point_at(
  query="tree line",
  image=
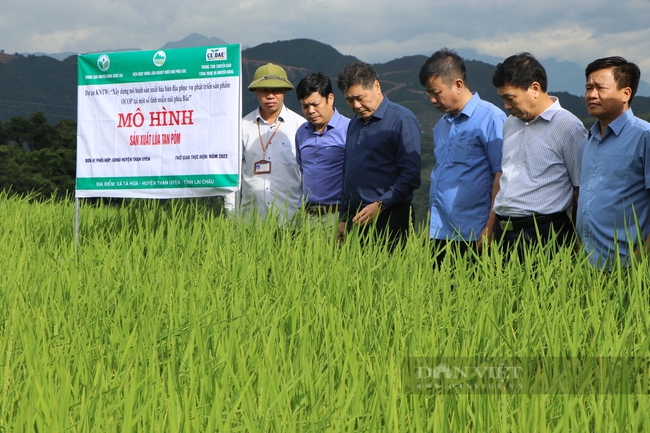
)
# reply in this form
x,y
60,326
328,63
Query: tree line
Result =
x,y
37,157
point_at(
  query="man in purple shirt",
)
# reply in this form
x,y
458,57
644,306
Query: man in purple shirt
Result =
x,y
320,148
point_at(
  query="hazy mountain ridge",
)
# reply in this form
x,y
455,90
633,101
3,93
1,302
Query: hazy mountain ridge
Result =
x,y
563,76
41,83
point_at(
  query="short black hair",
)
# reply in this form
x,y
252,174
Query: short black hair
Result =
x,y
444,63
357,73
626,74
318,82
520,70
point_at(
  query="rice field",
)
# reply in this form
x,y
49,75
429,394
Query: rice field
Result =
x,y
171,318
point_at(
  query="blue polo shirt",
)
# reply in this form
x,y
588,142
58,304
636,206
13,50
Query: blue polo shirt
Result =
x,y
320,157
614,201
382,158
468,154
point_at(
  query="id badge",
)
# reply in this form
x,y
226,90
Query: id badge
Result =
x,y
262,167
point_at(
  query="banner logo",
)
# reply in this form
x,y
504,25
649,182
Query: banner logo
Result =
x,y
103,63
216,54
159,58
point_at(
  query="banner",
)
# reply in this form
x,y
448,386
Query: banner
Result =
x,y
160,123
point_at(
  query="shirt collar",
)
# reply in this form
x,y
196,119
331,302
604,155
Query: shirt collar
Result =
x,y
616,126
551,110
468,109
281,116
334,121
380,111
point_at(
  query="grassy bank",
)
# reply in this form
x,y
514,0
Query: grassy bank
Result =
x,y
171,318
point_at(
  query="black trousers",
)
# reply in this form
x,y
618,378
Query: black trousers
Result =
x,y
561,226
393,223
438,250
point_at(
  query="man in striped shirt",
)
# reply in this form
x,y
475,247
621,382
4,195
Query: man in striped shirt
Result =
x,y
541,158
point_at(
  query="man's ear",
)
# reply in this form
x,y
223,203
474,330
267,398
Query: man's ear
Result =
x,y
627,94
536,88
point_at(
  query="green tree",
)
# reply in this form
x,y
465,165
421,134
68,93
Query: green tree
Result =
x,y
36,156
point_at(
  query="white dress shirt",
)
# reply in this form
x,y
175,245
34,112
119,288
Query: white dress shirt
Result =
x,y
280,190
541,163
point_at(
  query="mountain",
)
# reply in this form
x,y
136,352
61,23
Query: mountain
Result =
x,y
563,76
299,57
194,40
40,83
57,56
302,53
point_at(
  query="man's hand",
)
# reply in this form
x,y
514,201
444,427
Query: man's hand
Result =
x,y
642,250
340,231
368,214
485,238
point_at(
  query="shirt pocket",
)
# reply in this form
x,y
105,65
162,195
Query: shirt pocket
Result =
x,y
284,152
460,149
614,171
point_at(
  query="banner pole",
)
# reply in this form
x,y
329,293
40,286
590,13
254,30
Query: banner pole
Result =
x,y
76,224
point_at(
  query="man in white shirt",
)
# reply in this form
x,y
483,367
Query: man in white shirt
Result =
x,y
271,180
541,158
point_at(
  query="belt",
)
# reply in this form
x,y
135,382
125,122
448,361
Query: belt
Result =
x,y
320,209
518,223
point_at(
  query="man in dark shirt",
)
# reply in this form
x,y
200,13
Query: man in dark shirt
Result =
x,y
382,157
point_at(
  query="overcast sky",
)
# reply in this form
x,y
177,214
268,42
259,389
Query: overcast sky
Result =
x,y
374,31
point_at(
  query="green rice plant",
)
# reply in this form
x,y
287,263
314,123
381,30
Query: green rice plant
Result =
x,y
170,317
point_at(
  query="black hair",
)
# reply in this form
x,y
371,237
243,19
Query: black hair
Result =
x,y
444,63
626,74
319,82
355,74
520,70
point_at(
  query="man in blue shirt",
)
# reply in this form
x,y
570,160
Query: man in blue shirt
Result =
x,y
468,141
320,148
382,158
614,203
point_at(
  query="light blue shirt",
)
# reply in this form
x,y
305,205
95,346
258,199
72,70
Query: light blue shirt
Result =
x,y
320,157
468,154
614,202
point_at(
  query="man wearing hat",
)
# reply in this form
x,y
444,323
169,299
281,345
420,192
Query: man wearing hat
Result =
x,y
271,178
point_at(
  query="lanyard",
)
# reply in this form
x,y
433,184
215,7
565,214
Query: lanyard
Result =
x,y
268,143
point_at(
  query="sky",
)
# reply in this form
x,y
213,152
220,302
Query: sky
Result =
x,y
374,31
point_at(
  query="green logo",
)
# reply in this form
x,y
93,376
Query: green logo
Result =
x,y
103,63
159,58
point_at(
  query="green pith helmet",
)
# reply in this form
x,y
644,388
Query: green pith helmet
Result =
x,y
270,76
